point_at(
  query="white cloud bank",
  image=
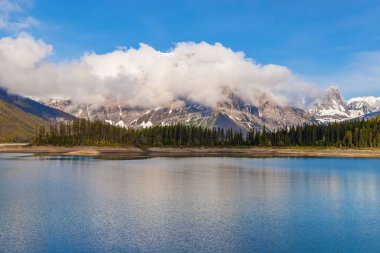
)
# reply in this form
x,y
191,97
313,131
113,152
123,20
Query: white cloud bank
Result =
x,y
144,76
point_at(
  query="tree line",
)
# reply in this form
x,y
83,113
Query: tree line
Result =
x,y
356,134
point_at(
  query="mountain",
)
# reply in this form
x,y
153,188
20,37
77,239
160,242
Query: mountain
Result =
x,y
364,104
332,107
233,113
33,107
369,115
20,116
17,125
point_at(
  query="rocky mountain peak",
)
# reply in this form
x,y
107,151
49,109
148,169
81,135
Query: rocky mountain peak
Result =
x,y
333,98
333,89
330,107
231,101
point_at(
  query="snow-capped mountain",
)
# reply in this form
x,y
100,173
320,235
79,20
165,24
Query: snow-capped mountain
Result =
x,y
332,107
232,113
364,104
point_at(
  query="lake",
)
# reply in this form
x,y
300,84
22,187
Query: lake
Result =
x,y
188,204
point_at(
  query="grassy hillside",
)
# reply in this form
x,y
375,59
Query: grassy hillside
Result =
x,y
19,117
17,125
33,107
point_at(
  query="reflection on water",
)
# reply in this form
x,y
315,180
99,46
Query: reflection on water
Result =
x,y
189,204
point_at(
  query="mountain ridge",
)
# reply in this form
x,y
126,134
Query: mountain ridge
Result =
x,y
33,107
232,112
20,117
332,107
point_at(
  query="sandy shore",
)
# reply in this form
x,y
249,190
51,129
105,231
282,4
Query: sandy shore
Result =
x,y
250,152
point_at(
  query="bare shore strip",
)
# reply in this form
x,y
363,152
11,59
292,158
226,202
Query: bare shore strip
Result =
x,y
193,151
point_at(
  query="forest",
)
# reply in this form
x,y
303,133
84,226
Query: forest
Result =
x,y
351,134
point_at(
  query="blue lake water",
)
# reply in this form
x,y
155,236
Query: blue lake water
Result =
x,y
194,204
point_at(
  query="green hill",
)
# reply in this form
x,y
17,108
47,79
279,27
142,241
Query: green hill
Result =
x,y
33,107
20,116
17,125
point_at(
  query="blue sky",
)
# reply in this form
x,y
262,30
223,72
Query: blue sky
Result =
x,y
323,41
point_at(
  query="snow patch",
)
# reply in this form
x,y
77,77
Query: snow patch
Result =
x,y
79,113
147,124
121,124
109,122
330,112
356,113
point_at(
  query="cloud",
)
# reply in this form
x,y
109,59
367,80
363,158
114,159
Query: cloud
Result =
x,y
360,77
13,18
146,77
8,7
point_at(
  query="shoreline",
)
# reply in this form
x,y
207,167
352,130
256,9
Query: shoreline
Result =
x,y
191,151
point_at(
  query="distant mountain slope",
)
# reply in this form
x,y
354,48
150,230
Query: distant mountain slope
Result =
x,y
365,104
17,125
32,107
20,116
369,115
